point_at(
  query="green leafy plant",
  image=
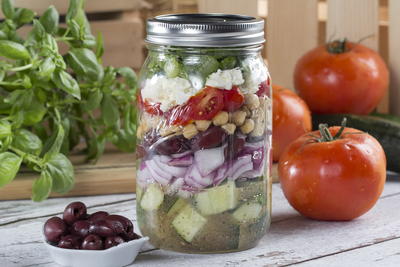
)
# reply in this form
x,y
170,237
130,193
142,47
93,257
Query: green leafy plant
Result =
x,y
50,101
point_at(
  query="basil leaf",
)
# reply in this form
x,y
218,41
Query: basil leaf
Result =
x,y
129,76
99,46
5,129
34,113
56,144
24,16
228,63
172,67
42,187
8,8
50,19
27,141
67,83
13,50
94,100
38,32
96,148
125,140
84,63
61,170
46,68
9,166
109,111
74,6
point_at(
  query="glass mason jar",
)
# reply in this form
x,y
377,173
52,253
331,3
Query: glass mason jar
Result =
x,y
204,134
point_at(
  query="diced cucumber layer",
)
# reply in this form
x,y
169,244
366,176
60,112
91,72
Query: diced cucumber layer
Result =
x,y
179,204
217,199
152,198
139,193
247,212
188,223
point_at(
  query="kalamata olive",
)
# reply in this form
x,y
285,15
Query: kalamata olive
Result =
x,y
97,216
73,212
235,145
102,228
212,137
117,221
54,228
113,241
173,145
80,228
92,242
131,236
70,242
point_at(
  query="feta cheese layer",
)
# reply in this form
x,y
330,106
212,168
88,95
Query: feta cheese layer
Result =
x,y
167,91
255,73
225,79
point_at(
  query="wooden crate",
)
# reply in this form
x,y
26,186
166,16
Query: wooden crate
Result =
x,y
118,20
296,26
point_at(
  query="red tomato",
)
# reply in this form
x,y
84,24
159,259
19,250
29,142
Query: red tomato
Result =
x,y
179,115
233,99
153,109
341,77
333,180
291,119
206,104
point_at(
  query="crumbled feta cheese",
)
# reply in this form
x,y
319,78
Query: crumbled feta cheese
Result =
x,y
167,91
225,79
255,73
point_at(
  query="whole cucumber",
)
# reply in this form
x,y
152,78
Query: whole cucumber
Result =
x,y
386,131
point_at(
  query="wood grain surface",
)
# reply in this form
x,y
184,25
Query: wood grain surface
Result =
x,y
371,240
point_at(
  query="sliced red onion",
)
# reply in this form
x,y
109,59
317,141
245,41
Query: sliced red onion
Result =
x,y
158,174
144,176
184,161
163,158
194,175
170,170
239,166
208,160
220,174
180,155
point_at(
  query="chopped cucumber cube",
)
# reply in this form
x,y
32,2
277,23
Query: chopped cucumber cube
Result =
x,y
152,198
188,223
247,212
217,199
179,204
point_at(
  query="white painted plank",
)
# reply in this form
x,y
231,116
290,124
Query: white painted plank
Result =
x,y
12,211
383,254
394,55
292,30
291,239
244,7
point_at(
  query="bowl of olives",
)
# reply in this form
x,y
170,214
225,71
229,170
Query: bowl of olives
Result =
x,y
98,239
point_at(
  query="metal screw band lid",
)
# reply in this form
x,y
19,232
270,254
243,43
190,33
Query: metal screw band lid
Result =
x,y
205,30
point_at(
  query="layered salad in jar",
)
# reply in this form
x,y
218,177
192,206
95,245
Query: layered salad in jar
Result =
x,y
204,150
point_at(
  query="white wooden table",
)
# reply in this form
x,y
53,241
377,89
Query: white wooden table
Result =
x,y
372,240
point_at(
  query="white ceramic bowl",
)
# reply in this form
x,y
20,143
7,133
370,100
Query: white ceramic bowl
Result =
x,y
121,255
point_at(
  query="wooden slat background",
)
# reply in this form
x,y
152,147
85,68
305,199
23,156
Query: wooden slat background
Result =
x,y
292,29
245,7
394,55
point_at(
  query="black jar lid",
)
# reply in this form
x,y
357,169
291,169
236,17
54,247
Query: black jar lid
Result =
x,y
205,30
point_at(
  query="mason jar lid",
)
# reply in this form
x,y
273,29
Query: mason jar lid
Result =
x,y
205,30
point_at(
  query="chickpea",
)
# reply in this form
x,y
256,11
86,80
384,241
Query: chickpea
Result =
x,y
247,127
221,118
229,128
190,131
238,117
202,125
247,111
167,130
252,101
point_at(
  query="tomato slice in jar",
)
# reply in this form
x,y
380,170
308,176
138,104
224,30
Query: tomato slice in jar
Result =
x,y
264,88
233,99
151,108
206,104
179,115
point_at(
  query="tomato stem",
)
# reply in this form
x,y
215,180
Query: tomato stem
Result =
x,y
337,46
326,135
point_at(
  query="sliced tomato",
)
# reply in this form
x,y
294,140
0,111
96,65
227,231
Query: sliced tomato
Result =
x,y
179,115
264,88
151,108
206,104
233,99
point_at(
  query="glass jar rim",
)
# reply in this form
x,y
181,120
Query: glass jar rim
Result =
x,y
205,30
